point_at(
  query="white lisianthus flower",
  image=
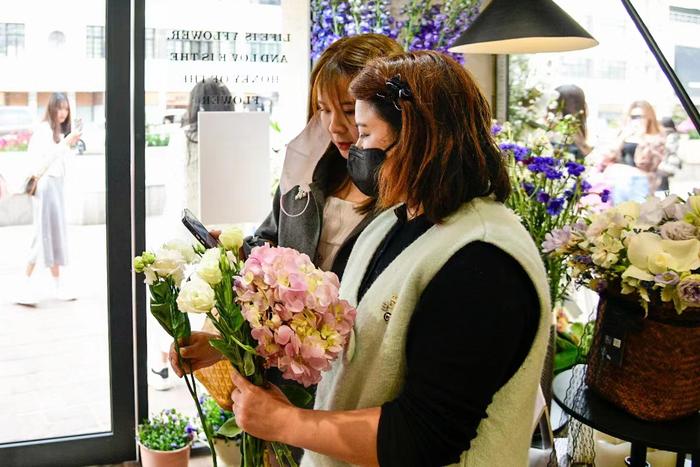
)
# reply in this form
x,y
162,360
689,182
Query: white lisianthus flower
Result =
x,y
650,213
150,276
196,296
231,238
629,209
185,249
605,250
208,268
649,252
168,263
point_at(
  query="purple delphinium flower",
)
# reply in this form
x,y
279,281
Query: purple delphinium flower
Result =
x,y
585,186
575,169
547,165
568,194
552,173
496,129
542,197
425,25
605,195
667,278
529,188
519,152
555,206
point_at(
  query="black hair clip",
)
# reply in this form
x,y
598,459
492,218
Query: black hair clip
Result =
x,y
396,89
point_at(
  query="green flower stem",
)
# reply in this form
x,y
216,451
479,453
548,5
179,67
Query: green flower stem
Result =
x,y
192,388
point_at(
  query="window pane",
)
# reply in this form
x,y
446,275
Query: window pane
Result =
x,y
53,322
202,62
621,71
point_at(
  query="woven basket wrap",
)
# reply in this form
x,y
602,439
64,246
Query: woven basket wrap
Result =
x,y
217,380
659,374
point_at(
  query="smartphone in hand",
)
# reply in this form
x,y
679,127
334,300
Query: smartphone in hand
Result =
x,y
198,230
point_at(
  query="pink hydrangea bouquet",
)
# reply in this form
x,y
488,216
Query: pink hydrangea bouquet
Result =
x,y
274,310
294,312
651,249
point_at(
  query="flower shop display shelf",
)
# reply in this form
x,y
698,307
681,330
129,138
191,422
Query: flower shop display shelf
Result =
x,y
579,401
646,362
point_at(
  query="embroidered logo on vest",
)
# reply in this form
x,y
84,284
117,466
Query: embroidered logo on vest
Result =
x,y
388,306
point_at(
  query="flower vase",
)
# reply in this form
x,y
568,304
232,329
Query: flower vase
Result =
x,y
646,363
153,458
228,453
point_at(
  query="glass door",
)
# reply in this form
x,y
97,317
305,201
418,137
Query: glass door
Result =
x,y
244,64
66,327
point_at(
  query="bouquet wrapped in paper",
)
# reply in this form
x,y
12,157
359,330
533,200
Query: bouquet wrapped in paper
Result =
x,y
275,310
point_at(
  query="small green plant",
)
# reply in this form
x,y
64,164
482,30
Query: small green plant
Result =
x,y
167,431
214,415
157,140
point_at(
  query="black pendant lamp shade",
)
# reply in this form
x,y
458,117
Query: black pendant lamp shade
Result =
x,y
523,26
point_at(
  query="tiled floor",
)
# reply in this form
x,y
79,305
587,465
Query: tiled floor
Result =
x,y
53,357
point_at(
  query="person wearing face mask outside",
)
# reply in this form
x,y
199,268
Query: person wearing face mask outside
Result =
x,y
320,207
444,366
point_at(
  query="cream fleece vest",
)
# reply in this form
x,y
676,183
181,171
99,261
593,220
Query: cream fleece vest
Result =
x,y
372,369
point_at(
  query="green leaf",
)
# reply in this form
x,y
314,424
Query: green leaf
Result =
x,y
577,330
237,319
161,312
297,395
160,291
565,360
566,356
180,322
248,364
231,353
229,429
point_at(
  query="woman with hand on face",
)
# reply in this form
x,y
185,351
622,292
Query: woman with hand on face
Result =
x,y
318,209
640,126
444,366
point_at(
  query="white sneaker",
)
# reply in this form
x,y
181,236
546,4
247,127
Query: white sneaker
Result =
x,y
27,298
26,295
64,293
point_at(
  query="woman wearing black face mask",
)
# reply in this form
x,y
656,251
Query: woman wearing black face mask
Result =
x,y
366,157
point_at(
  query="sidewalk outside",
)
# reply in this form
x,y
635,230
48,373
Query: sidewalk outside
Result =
x,y
54,357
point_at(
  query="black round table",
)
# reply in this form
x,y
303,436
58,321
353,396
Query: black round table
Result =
x,y
577,400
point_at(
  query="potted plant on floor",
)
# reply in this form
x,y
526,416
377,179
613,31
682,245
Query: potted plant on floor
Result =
x,y
227,450
165,440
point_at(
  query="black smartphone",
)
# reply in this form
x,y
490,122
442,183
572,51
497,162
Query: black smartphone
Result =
x,y
198,230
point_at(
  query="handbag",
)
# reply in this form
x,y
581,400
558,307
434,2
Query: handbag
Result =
x,y
30,185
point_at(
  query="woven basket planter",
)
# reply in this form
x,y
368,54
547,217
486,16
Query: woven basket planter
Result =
x,y
649,366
